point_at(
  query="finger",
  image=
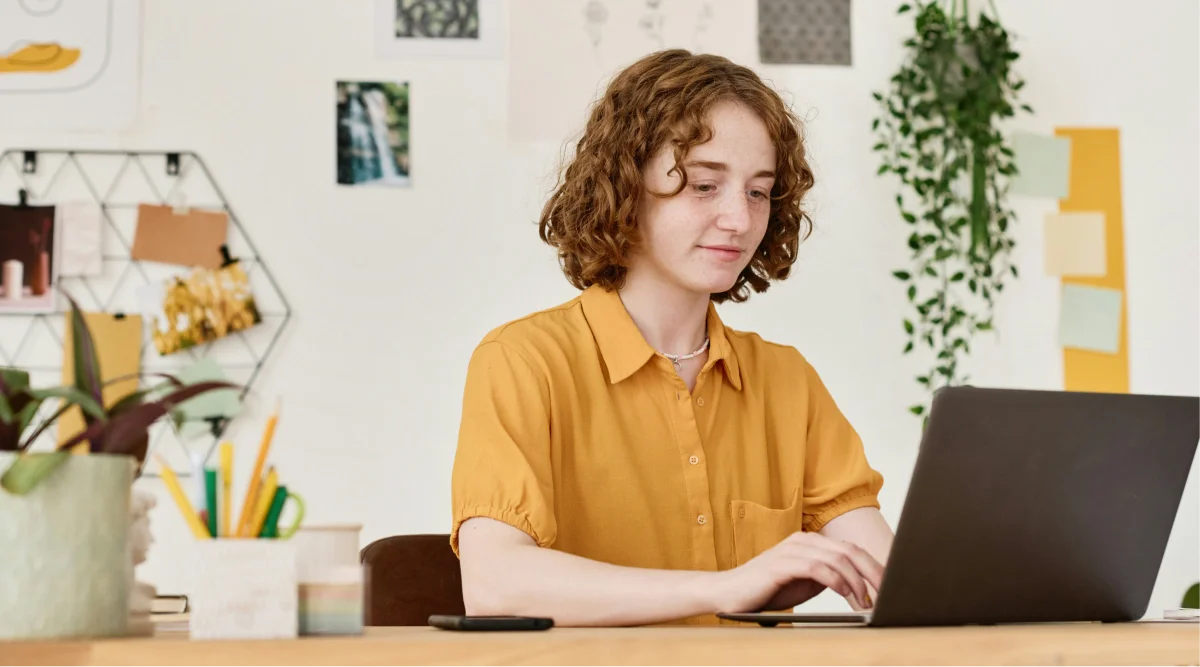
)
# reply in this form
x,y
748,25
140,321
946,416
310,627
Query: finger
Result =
x,y
838,562
845,567
864,562
823,574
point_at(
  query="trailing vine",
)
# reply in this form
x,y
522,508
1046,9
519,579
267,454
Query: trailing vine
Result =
x,y
937,133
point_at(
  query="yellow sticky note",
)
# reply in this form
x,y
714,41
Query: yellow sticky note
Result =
x,y
118,342
1075,244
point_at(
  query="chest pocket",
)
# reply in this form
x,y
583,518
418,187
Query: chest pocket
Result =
x,y
757,528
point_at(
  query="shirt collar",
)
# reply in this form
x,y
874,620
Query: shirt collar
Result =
x,y
624,349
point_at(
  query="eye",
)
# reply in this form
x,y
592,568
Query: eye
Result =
x,y
759,194
704,188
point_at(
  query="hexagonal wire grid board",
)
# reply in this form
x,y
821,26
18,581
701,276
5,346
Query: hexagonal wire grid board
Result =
x,y
119,181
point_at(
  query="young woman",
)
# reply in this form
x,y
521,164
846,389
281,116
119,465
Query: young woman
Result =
x,y
625,458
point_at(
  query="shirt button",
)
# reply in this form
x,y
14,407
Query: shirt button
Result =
x,y
694,460
701,520
742,513
700,402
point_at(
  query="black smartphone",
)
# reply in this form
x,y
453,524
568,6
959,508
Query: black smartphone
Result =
x,y
490,622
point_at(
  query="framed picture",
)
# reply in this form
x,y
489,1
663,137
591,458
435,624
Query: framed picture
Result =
x,y
30,254
372,133
439,28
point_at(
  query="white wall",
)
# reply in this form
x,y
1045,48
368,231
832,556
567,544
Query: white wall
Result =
x,y
393,287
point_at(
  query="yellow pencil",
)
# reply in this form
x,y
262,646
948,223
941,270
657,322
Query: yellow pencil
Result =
x,y
172,482
226,487
266,493
251,502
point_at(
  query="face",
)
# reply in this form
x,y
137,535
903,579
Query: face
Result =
x,y
701,239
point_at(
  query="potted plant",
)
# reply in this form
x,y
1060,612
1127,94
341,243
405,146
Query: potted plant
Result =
x,y
65,567
938,133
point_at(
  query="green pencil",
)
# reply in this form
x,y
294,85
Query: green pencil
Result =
x,y
270,526
210,496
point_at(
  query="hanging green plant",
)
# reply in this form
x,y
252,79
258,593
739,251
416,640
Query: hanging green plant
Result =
x,y
938,133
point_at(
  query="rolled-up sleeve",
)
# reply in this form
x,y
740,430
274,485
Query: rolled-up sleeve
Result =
x,y
837,476
502,464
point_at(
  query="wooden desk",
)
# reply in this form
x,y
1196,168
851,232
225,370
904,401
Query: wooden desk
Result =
x,y
1133,643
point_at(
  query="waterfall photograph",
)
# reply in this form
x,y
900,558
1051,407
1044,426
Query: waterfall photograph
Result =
x,y
372,133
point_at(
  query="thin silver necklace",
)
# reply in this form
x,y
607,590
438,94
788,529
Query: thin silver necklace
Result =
x,y
678,359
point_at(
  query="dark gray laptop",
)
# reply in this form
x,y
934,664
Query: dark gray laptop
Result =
x,y
1033,506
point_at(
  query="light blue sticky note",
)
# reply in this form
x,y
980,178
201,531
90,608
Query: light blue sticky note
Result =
x,y
218,403
1043,165
1090,318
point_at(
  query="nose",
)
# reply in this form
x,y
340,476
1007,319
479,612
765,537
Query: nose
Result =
x,y
735,214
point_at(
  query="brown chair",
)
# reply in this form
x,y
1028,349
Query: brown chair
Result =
x,y
411,577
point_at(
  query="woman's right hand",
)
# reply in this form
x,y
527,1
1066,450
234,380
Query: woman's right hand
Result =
x,y
796,570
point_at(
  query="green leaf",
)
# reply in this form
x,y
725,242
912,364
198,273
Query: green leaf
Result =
x,y
73,396
879,146
6,412
957,277
944,370
908,326
877,96
29,470
912,292
875,124
909,217
87,365
904,8
943,253
930,272
26,415
914,241
923,379
908,348
973,285
50,421
1191,599
984,326
917,410
1013,270
1027,108
902,275
124,431
883,169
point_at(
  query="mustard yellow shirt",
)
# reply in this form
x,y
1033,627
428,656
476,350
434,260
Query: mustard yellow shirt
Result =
x,y
574,431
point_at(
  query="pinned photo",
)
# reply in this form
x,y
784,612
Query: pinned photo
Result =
x,y
372,133
208,304
29,258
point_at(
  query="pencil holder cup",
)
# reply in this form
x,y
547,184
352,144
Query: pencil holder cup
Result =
x,y
244,589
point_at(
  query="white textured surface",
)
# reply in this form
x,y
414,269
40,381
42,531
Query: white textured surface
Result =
x,y
244,589
65,562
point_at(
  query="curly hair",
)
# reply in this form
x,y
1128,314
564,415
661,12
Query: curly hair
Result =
x,y
591,216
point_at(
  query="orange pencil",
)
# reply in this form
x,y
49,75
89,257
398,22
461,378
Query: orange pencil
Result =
x,y
251,502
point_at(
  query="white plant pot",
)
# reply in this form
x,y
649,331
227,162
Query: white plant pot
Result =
x,y
65,560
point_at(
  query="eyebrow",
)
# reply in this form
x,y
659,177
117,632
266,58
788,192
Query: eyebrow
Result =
x,y
721,166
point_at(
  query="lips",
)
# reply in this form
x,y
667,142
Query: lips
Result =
x,y
725,253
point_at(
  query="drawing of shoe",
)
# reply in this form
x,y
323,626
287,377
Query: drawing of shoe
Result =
x,y
44,57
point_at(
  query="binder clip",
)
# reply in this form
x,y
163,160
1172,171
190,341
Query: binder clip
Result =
x,y
22,198
172,164
226,258
29,163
